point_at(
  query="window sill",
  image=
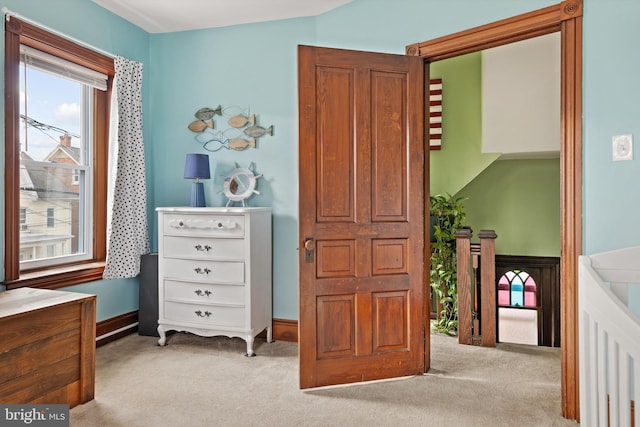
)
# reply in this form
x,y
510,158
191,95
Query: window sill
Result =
x,y
59,277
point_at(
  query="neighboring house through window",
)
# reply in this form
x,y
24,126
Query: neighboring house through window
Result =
x,y
51,218
56,157
23,219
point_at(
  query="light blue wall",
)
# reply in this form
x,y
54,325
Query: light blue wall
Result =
x,y
84,20
611,91
255,65
251,66
611,107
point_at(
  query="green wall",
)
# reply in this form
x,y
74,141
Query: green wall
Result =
x,y
520,200
461,159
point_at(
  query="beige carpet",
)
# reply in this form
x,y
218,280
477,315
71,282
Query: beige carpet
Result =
x,y
197,381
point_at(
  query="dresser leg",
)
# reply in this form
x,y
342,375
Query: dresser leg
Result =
x,y
163,337
270,334
250,352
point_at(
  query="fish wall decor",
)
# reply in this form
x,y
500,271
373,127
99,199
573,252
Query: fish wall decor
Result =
x,y
240,144
200,125
242,124
207,113
205,119
240,120
256,131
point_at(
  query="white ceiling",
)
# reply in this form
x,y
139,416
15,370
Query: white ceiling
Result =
x,y
164,16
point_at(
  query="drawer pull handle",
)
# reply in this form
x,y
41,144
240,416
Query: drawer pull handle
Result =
x,y
200,314
200,248
202,270
200,293
225,225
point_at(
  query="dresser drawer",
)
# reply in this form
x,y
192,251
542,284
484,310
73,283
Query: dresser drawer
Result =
x,y
201,270
203,248
210,315
204,293
204,225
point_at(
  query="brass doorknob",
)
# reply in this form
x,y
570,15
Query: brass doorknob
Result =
x,y
309,244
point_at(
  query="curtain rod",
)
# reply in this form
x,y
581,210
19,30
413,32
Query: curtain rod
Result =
x,y
8,14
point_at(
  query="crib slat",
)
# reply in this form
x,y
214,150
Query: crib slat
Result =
x,y
602,378
625,398
614,383
636,390
591,380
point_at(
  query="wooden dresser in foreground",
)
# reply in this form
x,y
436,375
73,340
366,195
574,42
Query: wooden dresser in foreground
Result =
x,y
47,346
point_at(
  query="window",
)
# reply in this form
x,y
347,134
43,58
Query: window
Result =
x,y
516,288
51,218
56,140
23,219
56,158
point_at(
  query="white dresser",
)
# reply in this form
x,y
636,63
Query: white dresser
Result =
x,y
214,272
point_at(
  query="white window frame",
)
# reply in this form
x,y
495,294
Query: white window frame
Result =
x,y
84,170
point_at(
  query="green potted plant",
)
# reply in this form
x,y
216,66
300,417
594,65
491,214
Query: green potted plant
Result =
x,y
446,217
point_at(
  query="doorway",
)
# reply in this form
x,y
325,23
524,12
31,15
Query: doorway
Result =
x,y
504,163
566,18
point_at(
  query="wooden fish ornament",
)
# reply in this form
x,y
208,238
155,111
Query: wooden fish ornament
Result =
x,y
240,144
207,113
240,120
256,131
200,125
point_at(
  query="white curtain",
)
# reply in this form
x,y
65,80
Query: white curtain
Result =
x,y
127,231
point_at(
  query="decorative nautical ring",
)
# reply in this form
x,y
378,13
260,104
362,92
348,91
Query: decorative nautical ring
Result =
x,y
240,184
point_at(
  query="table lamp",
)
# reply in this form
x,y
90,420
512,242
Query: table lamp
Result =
x,y
197,167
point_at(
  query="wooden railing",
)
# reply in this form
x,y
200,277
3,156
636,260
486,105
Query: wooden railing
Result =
x,y
476,303
609,336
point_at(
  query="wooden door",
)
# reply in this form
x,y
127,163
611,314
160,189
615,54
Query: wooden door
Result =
x,y
361,211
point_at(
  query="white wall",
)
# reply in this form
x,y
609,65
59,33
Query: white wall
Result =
x,y
521,98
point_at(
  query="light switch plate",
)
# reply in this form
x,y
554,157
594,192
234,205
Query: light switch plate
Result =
x,y
622,147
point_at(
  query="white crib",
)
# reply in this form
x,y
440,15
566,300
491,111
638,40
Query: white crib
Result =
x,y
609,338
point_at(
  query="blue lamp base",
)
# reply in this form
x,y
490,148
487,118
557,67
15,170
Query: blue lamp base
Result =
x,y
197,195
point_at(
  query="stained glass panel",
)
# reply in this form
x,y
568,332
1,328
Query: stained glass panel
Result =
x,y
517,288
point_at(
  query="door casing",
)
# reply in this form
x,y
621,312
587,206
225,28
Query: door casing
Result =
x,y
566,18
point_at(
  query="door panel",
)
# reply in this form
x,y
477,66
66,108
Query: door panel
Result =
x,y
361,211
336,329
336,258
389,140
335,176
390,321
389,256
